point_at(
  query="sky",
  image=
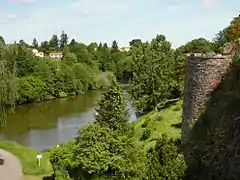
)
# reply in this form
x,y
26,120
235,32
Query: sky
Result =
x,y
121,20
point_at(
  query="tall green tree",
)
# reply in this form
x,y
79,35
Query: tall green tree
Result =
x,y
22,42
114,46
63,40
7,82
44,47
152,80
111,111
233,32
54,43
2,41
219,40
25,61
35,43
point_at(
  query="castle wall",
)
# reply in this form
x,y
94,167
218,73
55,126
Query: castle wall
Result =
x,y
203,73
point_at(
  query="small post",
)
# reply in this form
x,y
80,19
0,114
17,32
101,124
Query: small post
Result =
x,y
39,157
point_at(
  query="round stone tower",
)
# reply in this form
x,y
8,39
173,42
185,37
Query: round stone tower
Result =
x,y
203,73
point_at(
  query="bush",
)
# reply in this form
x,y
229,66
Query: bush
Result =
x,y
164,161
97,153
145,124
146,134
30,89
103,80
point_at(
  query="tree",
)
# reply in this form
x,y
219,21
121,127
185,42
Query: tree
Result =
x,y
70,58
30,89
152,80
220,40
22,42
164,160
44,47
233,32
53,43
63,40
84,77
73,41
35,43
7,82
98,153
199,45
114,46
2,42
111,111
81,51
25,61
46,70
124,69
135,42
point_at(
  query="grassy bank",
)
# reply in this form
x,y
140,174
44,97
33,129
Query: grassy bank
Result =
x,y
147,129
153,124
27,157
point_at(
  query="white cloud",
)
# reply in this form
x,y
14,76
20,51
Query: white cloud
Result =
x,y
209,3
15,17
23,1
90,7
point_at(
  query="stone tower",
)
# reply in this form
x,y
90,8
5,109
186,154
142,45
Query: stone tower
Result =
x,y
203,73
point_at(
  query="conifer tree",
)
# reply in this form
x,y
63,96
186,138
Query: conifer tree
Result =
x,y
111,111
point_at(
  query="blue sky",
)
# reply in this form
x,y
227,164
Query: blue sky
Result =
x,y
121,20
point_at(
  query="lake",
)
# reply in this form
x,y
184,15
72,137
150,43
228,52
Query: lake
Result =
x,y
46,124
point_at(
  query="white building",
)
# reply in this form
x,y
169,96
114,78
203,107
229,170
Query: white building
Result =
x,y
36,53
55,55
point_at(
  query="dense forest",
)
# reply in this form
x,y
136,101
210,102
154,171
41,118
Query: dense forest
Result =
x,y
105,149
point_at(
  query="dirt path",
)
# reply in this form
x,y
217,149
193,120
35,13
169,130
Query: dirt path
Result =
x,y
11,170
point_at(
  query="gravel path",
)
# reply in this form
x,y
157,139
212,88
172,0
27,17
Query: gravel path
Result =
x,y
11,170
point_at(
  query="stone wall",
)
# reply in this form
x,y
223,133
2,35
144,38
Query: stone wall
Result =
x,y
203,73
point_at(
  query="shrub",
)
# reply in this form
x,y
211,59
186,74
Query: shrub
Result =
x,y
30,89
103,80
146,134
145,124
164,161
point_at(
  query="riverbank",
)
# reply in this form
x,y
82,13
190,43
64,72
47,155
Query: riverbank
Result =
x,y
27,157
147,129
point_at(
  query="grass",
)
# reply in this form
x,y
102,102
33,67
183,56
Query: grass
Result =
x,y
27,157
166,120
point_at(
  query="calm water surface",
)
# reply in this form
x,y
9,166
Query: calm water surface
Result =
x,y
46,124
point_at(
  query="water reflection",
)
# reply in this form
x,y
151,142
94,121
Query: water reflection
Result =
x,y
46,124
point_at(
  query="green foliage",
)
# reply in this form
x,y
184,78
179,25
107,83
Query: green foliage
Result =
x,y
164,160
101,152
103,80
30,89
199,45
65,79
25,61
220,40
70,58
2,41
152,73
146,134
232,31
54,43
124,69
111,111
84,77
